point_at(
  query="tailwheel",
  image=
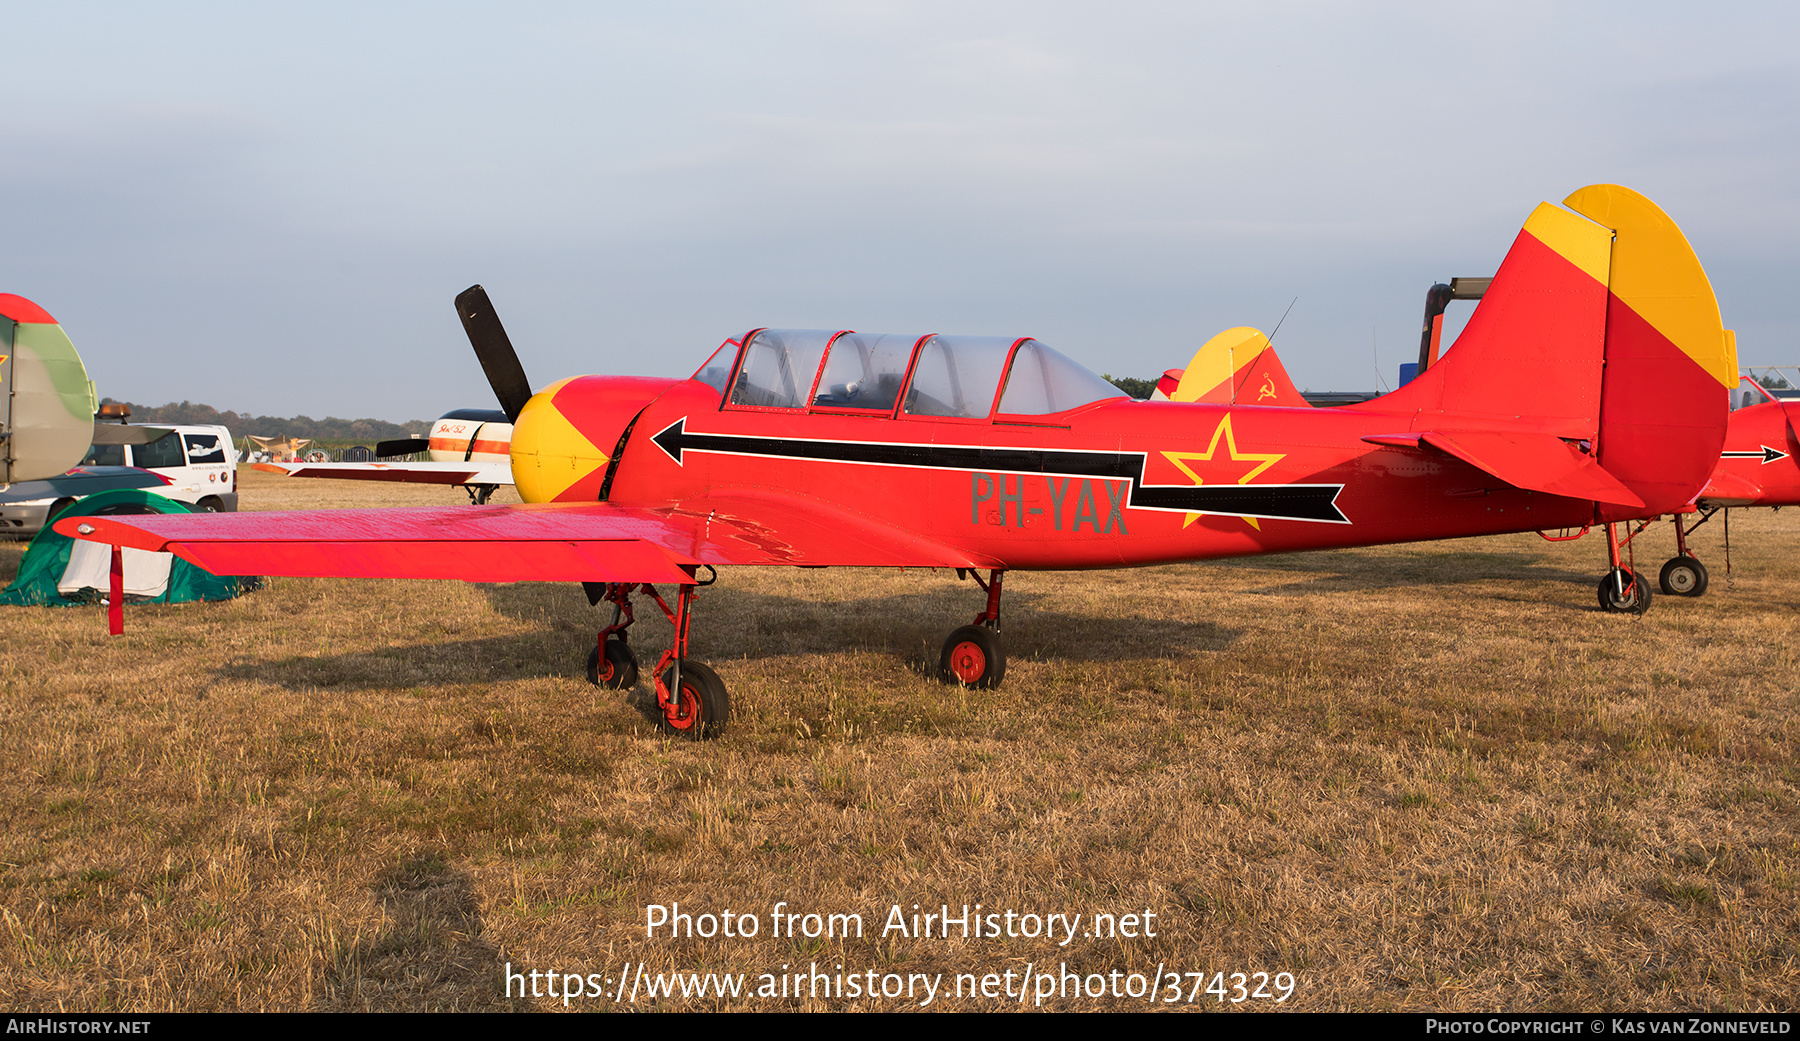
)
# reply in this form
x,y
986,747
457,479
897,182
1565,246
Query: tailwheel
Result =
x,y
973,657
1684,576
613,667
1624,590
699,708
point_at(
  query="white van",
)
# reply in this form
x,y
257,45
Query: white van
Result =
x,y
199,462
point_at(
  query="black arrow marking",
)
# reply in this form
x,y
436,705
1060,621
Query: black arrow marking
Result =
x,y
1765,453
1302,502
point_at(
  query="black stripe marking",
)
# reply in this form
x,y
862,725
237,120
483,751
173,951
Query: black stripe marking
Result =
x,y
1301,502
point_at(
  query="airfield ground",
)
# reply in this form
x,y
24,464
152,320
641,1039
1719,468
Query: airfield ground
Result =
x,y
1419,777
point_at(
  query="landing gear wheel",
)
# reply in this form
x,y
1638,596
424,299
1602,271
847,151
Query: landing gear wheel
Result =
x,y
1683,576
973,657
700,708
617,669
1623,590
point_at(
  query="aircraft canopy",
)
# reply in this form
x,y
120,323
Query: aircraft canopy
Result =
x,y
971,377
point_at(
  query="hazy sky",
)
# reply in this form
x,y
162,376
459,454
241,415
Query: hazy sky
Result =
x,y
272,211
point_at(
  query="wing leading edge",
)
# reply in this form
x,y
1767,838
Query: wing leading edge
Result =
x,y
551,542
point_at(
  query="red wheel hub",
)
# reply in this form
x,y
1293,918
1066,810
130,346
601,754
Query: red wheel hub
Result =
x,y
967,662
683,709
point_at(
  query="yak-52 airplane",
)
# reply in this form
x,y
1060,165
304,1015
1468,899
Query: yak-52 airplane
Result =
x,y
1587,388
467,447
1758,465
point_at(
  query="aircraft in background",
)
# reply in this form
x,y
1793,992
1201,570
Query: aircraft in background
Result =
x,y
1585,390
468,447
47,402
47,410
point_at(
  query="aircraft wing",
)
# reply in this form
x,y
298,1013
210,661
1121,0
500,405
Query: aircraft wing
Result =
x,y
418,473
548,542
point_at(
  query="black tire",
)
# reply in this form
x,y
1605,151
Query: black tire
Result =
x,y
973,657
1683,576
617,670
1622,590
211,504
700,707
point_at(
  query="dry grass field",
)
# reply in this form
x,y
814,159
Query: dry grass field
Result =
x,y
1419,777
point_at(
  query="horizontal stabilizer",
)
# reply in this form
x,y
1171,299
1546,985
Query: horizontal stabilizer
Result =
x,y
83,481
1535,462
121,434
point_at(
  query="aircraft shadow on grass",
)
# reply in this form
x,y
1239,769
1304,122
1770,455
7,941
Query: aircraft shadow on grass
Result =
x,y
742,626
432,951
1365,570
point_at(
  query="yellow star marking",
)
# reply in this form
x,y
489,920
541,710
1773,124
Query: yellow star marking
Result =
x,y
1264,460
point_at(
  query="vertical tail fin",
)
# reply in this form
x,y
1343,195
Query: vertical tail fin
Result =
x,y
1531,355
1237,367
1601,329
46,400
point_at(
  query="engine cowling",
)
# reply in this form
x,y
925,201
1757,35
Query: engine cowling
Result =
x,y
567,433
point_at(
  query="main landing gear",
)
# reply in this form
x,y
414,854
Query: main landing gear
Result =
x,y
1685,575
973,655
1623,589
691,699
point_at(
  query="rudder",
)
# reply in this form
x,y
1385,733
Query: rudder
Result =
x,y
1668,356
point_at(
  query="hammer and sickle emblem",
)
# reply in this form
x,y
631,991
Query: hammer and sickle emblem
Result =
x,y
1268,389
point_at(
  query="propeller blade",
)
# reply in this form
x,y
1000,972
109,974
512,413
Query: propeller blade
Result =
x,y
498,359
401,446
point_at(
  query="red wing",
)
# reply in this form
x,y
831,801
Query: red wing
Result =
x,y
553,542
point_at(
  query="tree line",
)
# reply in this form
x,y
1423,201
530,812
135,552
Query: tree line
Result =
x,y
188,413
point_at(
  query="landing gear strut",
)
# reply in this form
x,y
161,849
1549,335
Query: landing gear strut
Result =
x,y
973,655
1623,589
1685,575
692,700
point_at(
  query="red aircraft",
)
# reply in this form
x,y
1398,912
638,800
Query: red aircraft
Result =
x,y
1758,466
1586,389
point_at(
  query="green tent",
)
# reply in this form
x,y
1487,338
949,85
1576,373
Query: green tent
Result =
x,y
58,571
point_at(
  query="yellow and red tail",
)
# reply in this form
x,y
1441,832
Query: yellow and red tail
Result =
x,y
1238,366
1600,332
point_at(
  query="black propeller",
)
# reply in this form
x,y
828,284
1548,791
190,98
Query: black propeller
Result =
x,y
498,359
402,446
